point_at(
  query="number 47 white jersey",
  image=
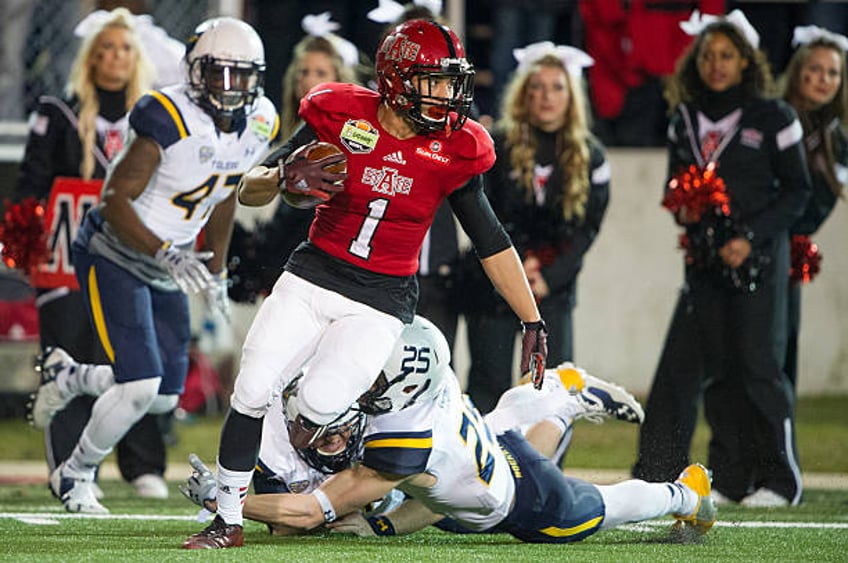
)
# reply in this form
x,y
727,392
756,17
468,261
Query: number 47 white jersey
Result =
x,y
200,166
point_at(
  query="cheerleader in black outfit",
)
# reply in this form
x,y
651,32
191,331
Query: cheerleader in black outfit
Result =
x,y
736,286
815,87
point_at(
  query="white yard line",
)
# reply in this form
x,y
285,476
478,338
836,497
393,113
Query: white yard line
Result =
x,y
36,471
746,524
24,516
52,518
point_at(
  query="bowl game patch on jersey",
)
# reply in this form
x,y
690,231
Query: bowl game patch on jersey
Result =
x,y
359,136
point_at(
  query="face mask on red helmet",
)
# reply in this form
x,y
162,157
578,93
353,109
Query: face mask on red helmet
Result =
x,y
422,73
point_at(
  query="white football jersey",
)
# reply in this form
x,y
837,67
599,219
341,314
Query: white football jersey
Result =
x,y
200,166
518,408
447,438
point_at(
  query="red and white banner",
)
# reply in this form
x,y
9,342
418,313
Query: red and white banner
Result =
x,y
70,200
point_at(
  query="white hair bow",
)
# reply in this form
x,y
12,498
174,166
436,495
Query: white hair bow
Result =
x,y
573,59
94,21
165,52
388,11
806,34
697,22
320,25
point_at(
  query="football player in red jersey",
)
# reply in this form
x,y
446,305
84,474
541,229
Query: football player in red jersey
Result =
x,y
348,290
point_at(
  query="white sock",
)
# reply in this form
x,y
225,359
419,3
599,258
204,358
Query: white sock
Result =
x,y
524,405
84,460
232,490
636,501
564,442
86,379
113,414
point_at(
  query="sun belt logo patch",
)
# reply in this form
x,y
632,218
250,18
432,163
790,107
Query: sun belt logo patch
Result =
x,y
432,155
386,181
359,136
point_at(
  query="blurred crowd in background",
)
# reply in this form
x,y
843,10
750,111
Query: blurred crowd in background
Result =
x,y
634,43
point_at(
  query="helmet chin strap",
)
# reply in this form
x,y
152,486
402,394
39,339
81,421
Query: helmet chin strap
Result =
x,y
223,123
229,123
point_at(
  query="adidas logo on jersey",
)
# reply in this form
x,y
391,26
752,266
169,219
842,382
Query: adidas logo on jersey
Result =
x,y
396,157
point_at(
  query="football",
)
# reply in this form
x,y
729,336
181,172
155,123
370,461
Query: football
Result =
x,y
314,153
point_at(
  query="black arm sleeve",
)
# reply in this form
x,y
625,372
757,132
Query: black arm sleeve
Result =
x,y
302,136
822,199
472,209
790,169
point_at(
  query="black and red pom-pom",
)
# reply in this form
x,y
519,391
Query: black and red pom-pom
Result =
x,y
23,235
806,259
695,192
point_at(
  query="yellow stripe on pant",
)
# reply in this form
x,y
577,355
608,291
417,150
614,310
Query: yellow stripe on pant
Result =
x,y
97,314
562,532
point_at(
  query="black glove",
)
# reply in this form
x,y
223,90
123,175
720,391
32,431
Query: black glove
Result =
x,y
302,176
534,351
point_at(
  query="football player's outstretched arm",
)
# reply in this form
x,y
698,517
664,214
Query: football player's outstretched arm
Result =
x,y
261,184
125,183
284,510
407,518
503,266
492,244
345,492
218,231
507,275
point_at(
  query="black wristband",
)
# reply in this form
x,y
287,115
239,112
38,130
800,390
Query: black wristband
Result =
x,y
381,525
535,325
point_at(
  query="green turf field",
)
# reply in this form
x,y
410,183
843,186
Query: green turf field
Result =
x,y
36,528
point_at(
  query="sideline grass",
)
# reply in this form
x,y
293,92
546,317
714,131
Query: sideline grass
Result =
x,y
820,431
113,539
821,425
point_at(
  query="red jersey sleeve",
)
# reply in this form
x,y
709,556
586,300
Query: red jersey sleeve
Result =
x,y
479,149
394,185
326,104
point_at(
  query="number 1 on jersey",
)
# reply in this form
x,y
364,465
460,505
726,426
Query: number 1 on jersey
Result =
x,y
361,245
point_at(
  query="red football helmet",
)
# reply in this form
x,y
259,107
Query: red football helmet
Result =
x,y
423,74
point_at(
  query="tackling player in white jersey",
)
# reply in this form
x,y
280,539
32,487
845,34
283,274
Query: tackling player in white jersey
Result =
x,y
134,256
282,468
427,440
